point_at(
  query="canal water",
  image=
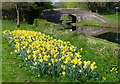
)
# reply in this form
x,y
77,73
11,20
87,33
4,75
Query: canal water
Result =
x,y
110,34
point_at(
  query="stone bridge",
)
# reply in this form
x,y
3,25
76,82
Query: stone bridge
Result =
x,y
76,14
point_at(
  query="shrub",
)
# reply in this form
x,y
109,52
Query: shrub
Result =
x,y
41,22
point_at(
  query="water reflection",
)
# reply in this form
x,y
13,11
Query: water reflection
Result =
x,y
68,26
103,33
110,36
117,37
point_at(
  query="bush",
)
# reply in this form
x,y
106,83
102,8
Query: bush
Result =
x,y
41,22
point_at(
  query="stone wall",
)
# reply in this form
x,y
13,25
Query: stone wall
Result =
x,y
91,17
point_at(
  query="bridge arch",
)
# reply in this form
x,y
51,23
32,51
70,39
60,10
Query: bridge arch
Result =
x,y
70,17
74,18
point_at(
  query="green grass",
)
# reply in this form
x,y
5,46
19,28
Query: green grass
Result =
x,y
112,17
66,18
10,25
89,23
104,53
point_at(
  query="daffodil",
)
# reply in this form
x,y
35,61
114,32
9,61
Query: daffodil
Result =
x,y
35,63
103,78
63,73
11,52
26,59
29,56
15,50
49,64
85,66
74,66
40,60
38,75
80,70
81,49
28,51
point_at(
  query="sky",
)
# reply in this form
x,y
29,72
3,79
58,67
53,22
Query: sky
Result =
x,y
54,1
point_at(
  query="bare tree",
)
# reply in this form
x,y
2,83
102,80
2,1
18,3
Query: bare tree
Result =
x,y
18,16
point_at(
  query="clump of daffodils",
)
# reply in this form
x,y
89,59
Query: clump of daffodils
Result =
x,y
50,56
114,69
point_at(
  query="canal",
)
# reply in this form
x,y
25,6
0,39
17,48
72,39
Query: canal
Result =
x,y
110,34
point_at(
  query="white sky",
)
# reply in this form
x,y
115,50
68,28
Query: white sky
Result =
x,y
55,0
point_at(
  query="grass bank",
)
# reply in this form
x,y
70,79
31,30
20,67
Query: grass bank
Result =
x,y
112,17
88,24
104,53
